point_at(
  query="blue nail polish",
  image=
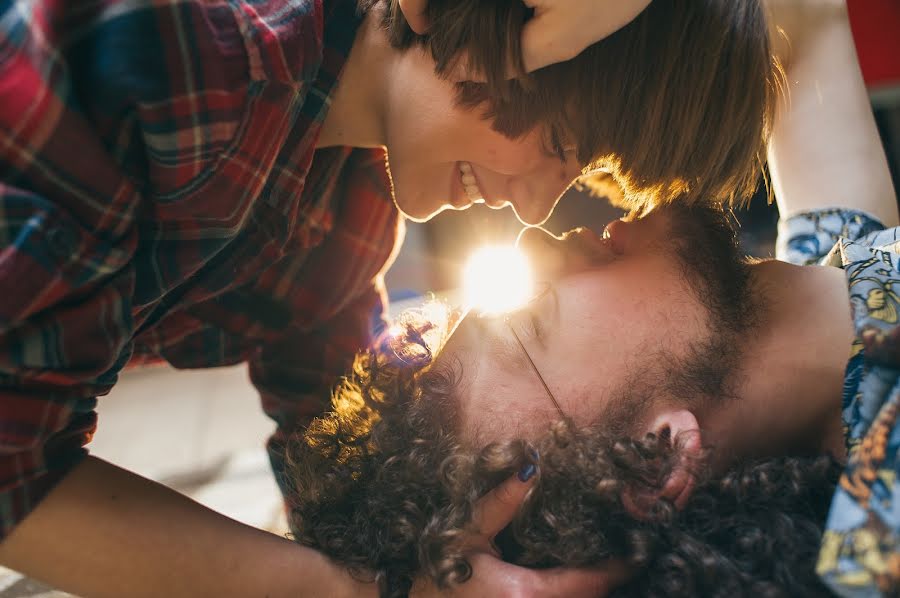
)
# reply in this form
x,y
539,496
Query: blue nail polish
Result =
x,y
527,472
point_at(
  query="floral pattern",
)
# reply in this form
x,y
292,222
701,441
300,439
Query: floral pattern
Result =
x,y
805,238
860,552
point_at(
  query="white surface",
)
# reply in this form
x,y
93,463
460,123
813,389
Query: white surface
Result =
x,y
161,422
201,432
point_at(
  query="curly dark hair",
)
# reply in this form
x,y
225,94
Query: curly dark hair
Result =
x,y
385,485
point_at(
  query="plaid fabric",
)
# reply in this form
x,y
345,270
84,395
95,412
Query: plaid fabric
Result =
x,y
160,198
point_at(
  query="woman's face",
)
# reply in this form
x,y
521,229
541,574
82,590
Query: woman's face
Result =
x,y
445,157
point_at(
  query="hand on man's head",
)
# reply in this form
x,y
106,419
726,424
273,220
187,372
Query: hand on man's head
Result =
x,y
559,29
414,13
491,576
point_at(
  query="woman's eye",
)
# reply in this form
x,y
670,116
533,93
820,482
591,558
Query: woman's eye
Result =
x,y
557,146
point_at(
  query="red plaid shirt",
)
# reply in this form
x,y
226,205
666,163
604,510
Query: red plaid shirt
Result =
x,y
161,198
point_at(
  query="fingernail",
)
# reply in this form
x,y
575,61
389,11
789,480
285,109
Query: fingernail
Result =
x,y
527,472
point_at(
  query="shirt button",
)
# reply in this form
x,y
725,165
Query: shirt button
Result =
x,y
61,242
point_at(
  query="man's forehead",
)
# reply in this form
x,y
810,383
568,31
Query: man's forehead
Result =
x,y
501,349
484,349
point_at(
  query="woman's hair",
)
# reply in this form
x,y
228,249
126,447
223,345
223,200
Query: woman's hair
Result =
x,y
385,486
676,105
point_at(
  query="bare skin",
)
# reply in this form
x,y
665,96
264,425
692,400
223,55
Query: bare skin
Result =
x,y
826,153
493,513
393,99
134,537
843,163
559,29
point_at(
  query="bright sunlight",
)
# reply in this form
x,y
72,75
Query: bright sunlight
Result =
x,y
497,279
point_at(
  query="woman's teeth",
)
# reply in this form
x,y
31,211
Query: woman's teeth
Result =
x,y
469,183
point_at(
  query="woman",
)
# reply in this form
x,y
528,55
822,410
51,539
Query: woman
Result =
x,y
674,412
205,183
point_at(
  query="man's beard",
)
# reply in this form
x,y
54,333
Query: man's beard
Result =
x,y
704,246
708,251
384,482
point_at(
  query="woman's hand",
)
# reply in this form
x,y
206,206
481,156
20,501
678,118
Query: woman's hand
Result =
x,y
492,576
559,29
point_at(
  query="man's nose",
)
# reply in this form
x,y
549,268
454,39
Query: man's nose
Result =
x,y
553,257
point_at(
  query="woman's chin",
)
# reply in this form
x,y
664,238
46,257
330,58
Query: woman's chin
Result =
x,y
422,212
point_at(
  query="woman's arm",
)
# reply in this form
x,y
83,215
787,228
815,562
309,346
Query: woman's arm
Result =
x,y
559,30
104,531
826,151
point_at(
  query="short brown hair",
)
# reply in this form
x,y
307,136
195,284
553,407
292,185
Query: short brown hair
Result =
x,y
676,105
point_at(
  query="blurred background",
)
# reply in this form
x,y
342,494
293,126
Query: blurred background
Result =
x,y
202,432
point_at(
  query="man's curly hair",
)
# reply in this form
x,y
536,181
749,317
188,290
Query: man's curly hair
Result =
x,y
384,485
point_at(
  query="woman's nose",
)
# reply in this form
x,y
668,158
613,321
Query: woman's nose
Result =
x,y
545,252
535,196
533,211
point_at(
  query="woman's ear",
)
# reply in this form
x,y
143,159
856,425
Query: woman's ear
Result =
x,y
680,427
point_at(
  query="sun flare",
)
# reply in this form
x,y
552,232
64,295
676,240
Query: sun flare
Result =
x,y
497,279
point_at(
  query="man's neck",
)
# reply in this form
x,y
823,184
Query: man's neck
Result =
x,y
356,115
789,397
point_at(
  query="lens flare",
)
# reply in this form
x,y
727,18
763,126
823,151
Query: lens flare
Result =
x,y
497,279
417,334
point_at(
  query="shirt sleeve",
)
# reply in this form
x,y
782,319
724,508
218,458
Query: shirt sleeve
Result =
x,y
807,237
337,301
295,376
67,239
860,552
65,326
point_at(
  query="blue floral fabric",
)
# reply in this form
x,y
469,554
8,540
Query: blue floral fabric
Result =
x,y
860,552
804,239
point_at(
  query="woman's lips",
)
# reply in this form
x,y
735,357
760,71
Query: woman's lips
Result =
x,y
459,198
470,183
473,190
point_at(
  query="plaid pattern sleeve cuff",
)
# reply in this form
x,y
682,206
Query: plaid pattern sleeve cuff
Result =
x,y
38,452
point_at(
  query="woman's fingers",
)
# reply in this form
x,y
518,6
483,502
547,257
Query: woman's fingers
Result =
x,y
559,29
491,576
498,507
543,42
414,11
589,583
498,579
562,29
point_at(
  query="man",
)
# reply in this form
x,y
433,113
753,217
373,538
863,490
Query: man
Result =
x,y
687,413
205,183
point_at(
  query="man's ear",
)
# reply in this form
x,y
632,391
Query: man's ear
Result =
x,y
681,429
